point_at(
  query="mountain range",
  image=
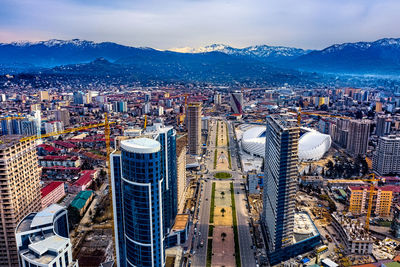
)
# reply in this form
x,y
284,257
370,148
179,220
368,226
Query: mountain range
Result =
x,y
212,62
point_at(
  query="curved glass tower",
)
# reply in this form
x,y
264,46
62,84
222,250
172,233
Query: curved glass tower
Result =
x,y
137,198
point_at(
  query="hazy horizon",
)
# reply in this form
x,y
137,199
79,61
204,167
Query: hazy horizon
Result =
x,y
308,24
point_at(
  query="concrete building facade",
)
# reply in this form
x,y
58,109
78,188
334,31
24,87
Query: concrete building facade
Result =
x,y
193,118
358,201
386,158
358,137
20,191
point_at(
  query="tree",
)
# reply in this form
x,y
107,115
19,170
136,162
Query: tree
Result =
x,y
222,194
223,235
87,165
73,216
223,211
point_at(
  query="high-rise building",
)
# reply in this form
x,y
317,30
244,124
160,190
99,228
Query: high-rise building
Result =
x,y
44,95
181,150
53,126
147,97
146,108
43,239
217,99
62,115
138,182
383,124
11,126
79,98
358,137
237,102
20,194
386,158
341,132
193,118
281,174
121,106
166,136
28,127
378,107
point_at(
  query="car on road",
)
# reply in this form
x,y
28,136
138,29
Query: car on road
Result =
x,y
202,243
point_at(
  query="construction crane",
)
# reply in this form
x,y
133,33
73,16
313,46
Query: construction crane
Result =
x,y
299,113
371,193
106,124
145,122
12,118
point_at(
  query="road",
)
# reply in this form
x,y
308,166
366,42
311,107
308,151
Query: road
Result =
x,y
199,254
247,254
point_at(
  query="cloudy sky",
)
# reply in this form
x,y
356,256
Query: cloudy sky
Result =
x,y
167,24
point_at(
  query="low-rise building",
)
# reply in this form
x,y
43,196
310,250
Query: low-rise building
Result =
x,y
82,201
352,234
66,161
358,200
85,180
52,193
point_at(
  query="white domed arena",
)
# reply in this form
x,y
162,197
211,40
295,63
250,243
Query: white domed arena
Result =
x,y
312,144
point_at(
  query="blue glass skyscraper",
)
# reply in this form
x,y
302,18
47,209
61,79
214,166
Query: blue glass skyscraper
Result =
x,y
166,136
137,181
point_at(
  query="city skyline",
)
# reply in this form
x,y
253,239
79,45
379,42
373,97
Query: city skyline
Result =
x,y
308,25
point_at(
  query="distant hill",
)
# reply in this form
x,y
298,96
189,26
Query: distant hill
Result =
x,y
59,52
379,57
214,62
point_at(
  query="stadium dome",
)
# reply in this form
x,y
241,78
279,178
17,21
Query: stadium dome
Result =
x,y
312,144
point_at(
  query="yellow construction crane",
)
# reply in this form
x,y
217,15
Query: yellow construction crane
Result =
x,y
145,122
299,113
371,193
12,118
106,124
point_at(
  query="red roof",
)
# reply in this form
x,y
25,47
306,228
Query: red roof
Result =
x,y
85,178
49,148
58,158
64,144
50,187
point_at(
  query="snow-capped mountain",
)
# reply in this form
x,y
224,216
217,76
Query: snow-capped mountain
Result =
x,y
381,56
362,57
258,51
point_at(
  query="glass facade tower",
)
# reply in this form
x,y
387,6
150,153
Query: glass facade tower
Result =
x,y
281,173
138,203
166,136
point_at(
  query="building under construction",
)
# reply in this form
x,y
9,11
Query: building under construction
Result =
x,y
352,234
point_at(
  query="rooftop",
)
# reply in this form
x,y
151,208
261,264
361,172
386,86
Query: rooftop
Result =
x,y
181,222
50,187
303,227
285,121
39,251
141,145
9,140
46,216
